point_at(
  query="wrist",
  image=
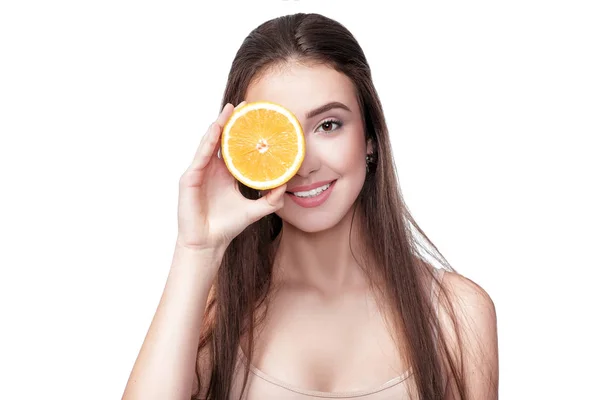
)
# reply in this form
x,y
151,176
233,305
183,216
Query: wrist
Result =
x,y
203,257
201,250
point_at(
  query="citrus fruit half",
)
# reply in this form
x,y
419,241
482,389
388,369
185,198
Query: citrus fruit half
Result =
x,y
262,145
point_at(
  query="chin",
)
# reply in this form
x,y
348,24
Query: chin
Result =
x,y
310,224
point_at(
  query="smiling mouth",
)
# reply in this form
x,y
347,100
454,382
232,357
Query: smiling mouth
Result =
x,y
307,194
311,193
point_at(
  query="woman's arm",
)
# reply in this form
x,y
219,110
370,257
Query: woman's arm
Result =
x,y
476,321
165,366
210,214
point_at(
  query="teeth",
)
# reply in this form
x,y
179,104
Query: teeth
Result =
x,y
313,192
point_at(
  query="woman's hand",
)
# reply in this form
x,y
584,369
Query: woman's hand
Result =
x,y
211,209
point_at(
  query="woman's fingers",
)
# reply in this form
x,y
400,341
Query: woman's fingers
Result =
x,y
218,148
209,141
267,204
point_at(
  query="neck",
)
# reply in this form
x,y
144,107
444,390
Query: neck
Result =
x,y
323,261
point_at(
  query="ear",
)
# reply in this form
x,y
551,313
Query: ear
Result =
x,y
370,146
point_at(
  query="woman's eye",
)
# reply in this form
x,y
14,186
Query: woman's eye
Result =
x,y
328,126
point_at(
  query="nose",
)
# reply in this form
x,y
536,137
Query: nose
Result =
x,y
311,162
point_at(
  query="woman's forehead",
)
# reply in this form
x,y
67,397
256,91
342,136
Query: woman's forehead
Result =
x,y
301,88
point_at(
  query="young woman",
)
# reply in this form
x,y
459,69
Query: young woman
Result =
x,y
272,297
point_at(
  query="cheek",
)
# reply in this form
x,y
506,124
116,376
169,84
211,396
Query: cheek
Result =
x,y
345,154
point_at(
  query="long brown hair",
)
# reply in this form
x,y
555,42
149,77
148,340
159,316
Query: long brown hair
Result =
x,y
244,279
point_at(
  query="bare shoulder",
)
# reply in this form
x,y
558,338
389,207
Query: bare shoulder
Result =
x,y
468,320
468,295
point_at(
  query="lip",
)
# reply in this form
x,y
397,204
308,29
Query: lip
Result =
x,y
316,201
306,188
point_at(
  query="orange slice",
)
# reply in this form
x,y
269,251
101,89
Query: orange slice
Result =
x,y
262,145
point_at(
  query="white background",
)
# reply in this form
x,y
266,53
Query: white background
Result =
x,y
494,112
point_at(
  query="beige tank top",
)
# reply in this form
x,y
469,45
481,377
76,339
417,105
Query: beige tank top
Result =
x,y
261,386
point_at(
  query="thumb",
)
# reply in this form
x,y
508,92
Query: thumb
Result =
x,y
267,204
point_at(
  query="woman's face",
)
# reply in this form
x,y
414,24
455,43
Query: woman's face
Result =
x,y
324,102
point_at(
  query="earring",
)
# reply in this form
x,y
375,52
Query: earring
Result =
x,y
369,160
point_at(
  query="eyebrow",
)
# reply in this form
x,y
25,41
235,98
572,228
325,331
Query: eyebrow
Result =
x,y
326,107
